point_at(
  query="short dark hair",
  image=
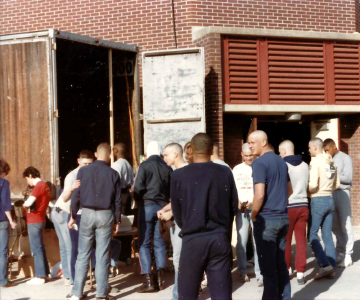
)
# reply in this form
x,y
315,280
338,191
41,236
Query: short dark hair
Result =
x,y
4,167
202,143
86,154
328,142
35,173
177,147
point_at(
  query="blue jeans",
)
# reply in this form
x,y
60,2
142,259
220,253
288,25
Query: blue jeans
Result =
x,y
74,236
115,249
270,238
322,212
243,221
96,225
149,228
37,248
4,247
60,220
176,243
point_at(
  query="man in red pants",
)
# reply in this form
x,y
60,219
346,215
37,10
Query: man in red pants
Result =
x,y
298,209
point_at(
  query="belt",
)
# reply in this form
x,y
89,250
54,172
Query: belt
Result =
x,y
58,209
96,208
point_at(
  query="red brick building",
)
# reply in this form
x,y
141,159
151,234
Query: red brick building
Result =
x,y
263,59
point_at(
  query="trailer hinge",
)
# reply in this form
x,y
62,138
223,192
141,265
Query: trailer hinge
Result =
x,y
56,113
53,46
141,117
58,181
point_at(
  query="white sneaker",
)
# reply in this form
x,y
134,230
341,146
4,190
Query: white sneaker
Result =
x,y
346,262
36,280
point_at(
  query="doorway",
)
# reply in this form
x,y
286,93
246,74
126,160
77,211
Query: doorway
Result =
x,y
297,132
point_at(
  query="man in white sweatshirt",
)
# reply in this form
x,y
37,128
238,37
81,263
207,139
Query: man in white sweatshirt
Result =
x,y
342,227
323,180
244,185
298,208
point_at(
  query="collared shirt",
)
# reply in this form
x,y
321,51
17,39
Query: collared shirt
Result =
x,y
100,188
125,171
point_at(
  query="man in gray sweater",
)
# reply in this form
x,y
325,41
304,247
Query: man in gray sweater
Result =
x,y
298,208
342,227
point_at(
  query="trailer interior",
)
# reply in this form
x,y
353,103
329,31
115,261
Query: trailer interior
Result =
x,y
82,72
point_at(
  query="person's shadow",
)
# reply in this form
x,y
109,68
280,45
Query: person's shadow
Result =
x,y
314,288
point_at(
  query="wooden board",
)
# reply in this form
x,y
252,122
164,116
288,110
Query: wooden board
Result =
x,y
24,111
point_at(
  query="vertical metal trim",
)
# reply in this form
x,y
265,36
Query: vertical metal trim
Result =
x,y
55,130
50,106
136,112
111,103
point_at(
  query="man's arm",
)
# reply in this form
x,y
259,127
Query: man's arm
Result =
x,y
234,196
336,181
6,203
290,190
346,175
313,177
118,202
69,187
75,198
29,201
139,185
258,201
175,203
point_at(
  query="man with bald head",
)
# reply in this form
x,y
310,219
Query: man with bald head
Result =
x,y
204,201
244,185
269,213
99,196
323,180
342,227
173,156
298,209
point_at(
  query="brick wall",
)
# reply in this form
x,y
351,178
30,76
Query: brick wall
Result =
x,y
350,141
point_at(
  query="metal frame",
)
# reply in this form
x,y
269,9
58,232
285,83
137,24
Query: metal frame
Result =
x,y
49,37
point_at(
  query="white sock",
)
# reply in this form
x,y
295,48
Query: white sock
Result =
x,y
300,275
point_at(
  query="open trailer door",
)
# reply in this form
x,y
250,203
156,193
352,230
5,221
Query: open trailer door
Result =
x,y
173,95
26,107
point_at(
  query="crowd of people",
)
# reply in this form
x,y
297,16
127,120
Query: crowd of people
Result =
x,y
197,198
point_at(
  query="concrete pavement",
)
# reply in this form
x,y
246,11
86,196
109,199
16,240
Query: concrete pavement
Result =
x,y
346,285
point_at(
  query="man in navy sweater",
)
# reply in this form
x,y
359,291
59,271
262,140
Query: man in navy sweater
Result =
x,y
204,201
99,195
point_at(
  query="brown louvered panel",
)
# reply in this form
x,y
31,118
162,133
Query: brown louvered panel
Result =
x,y
241,67
346,72
296,72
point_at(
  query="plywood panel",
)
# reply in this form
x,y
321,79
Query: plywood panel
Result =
x,y
24,111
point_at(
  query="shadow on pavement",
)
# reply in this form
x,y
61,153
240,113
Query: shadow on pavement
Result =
x,y
314,288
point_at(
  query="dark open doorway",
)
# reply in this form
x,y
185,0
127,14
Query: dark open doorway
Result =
x,y
297,132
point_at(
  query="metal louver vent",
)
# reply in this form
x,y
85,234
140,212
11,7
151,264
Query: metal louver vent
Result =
x,y
243,79
346,72
296,71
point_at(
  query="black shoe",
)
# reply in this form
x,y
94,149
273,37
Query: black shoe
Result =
x,y
301,281
331,276
148,285
160,279
324,272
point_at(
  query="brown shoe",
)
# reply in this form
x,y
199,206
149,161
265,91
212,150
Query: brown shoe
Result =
x,y
9,284
160,279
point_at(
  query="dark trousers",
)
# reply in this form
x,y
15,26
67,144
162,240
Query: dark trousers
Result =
x,y
298,218
210,253
270,238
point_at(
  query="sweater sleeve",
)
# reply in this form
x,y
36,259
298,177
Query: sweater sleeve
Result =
x,y
175,203
337,181
346,173
313,177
